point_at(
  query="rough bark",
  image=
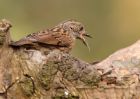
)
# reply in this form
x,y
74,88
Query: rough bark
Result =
x,y
43,73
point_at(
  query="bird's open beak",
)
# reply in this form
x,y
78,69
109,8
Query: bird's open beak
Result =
x,y
87,35
84,41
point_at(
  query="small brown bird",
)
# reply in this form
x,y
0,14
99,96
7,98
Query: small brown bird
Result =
x,y
63,35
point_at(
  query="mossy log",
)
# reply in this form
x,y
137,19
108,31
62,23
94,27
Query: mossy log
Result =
x,y
42,73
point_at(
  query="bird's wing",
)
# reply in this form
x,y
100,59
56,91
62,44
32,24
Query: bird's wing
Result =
x,y
44,36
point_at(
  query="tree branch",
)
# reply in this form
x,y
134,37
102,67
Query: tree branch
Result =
x,y
44,73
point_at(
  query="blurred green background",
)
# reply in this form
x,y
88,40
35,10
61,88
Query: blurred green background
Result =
x,y
114,24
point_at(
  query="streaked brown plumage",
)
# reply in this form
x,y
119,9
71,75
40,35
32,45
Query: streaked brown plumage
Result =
x,y
63,35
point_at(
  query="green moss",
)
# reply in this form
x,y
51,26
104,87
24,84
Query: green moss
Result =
x,y
71,74
27,86
60,94
90,80
46,74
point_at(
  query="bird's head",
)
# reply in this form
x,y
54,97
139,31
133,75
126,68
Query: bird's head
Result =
x,y
77,29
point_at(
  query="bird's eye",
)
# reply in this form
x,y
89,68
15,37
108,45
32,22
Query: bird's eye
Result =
x,y
81,28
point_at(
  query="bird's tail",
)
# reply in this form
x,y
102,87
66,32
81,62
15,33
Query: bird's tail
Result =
x,y
20,42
